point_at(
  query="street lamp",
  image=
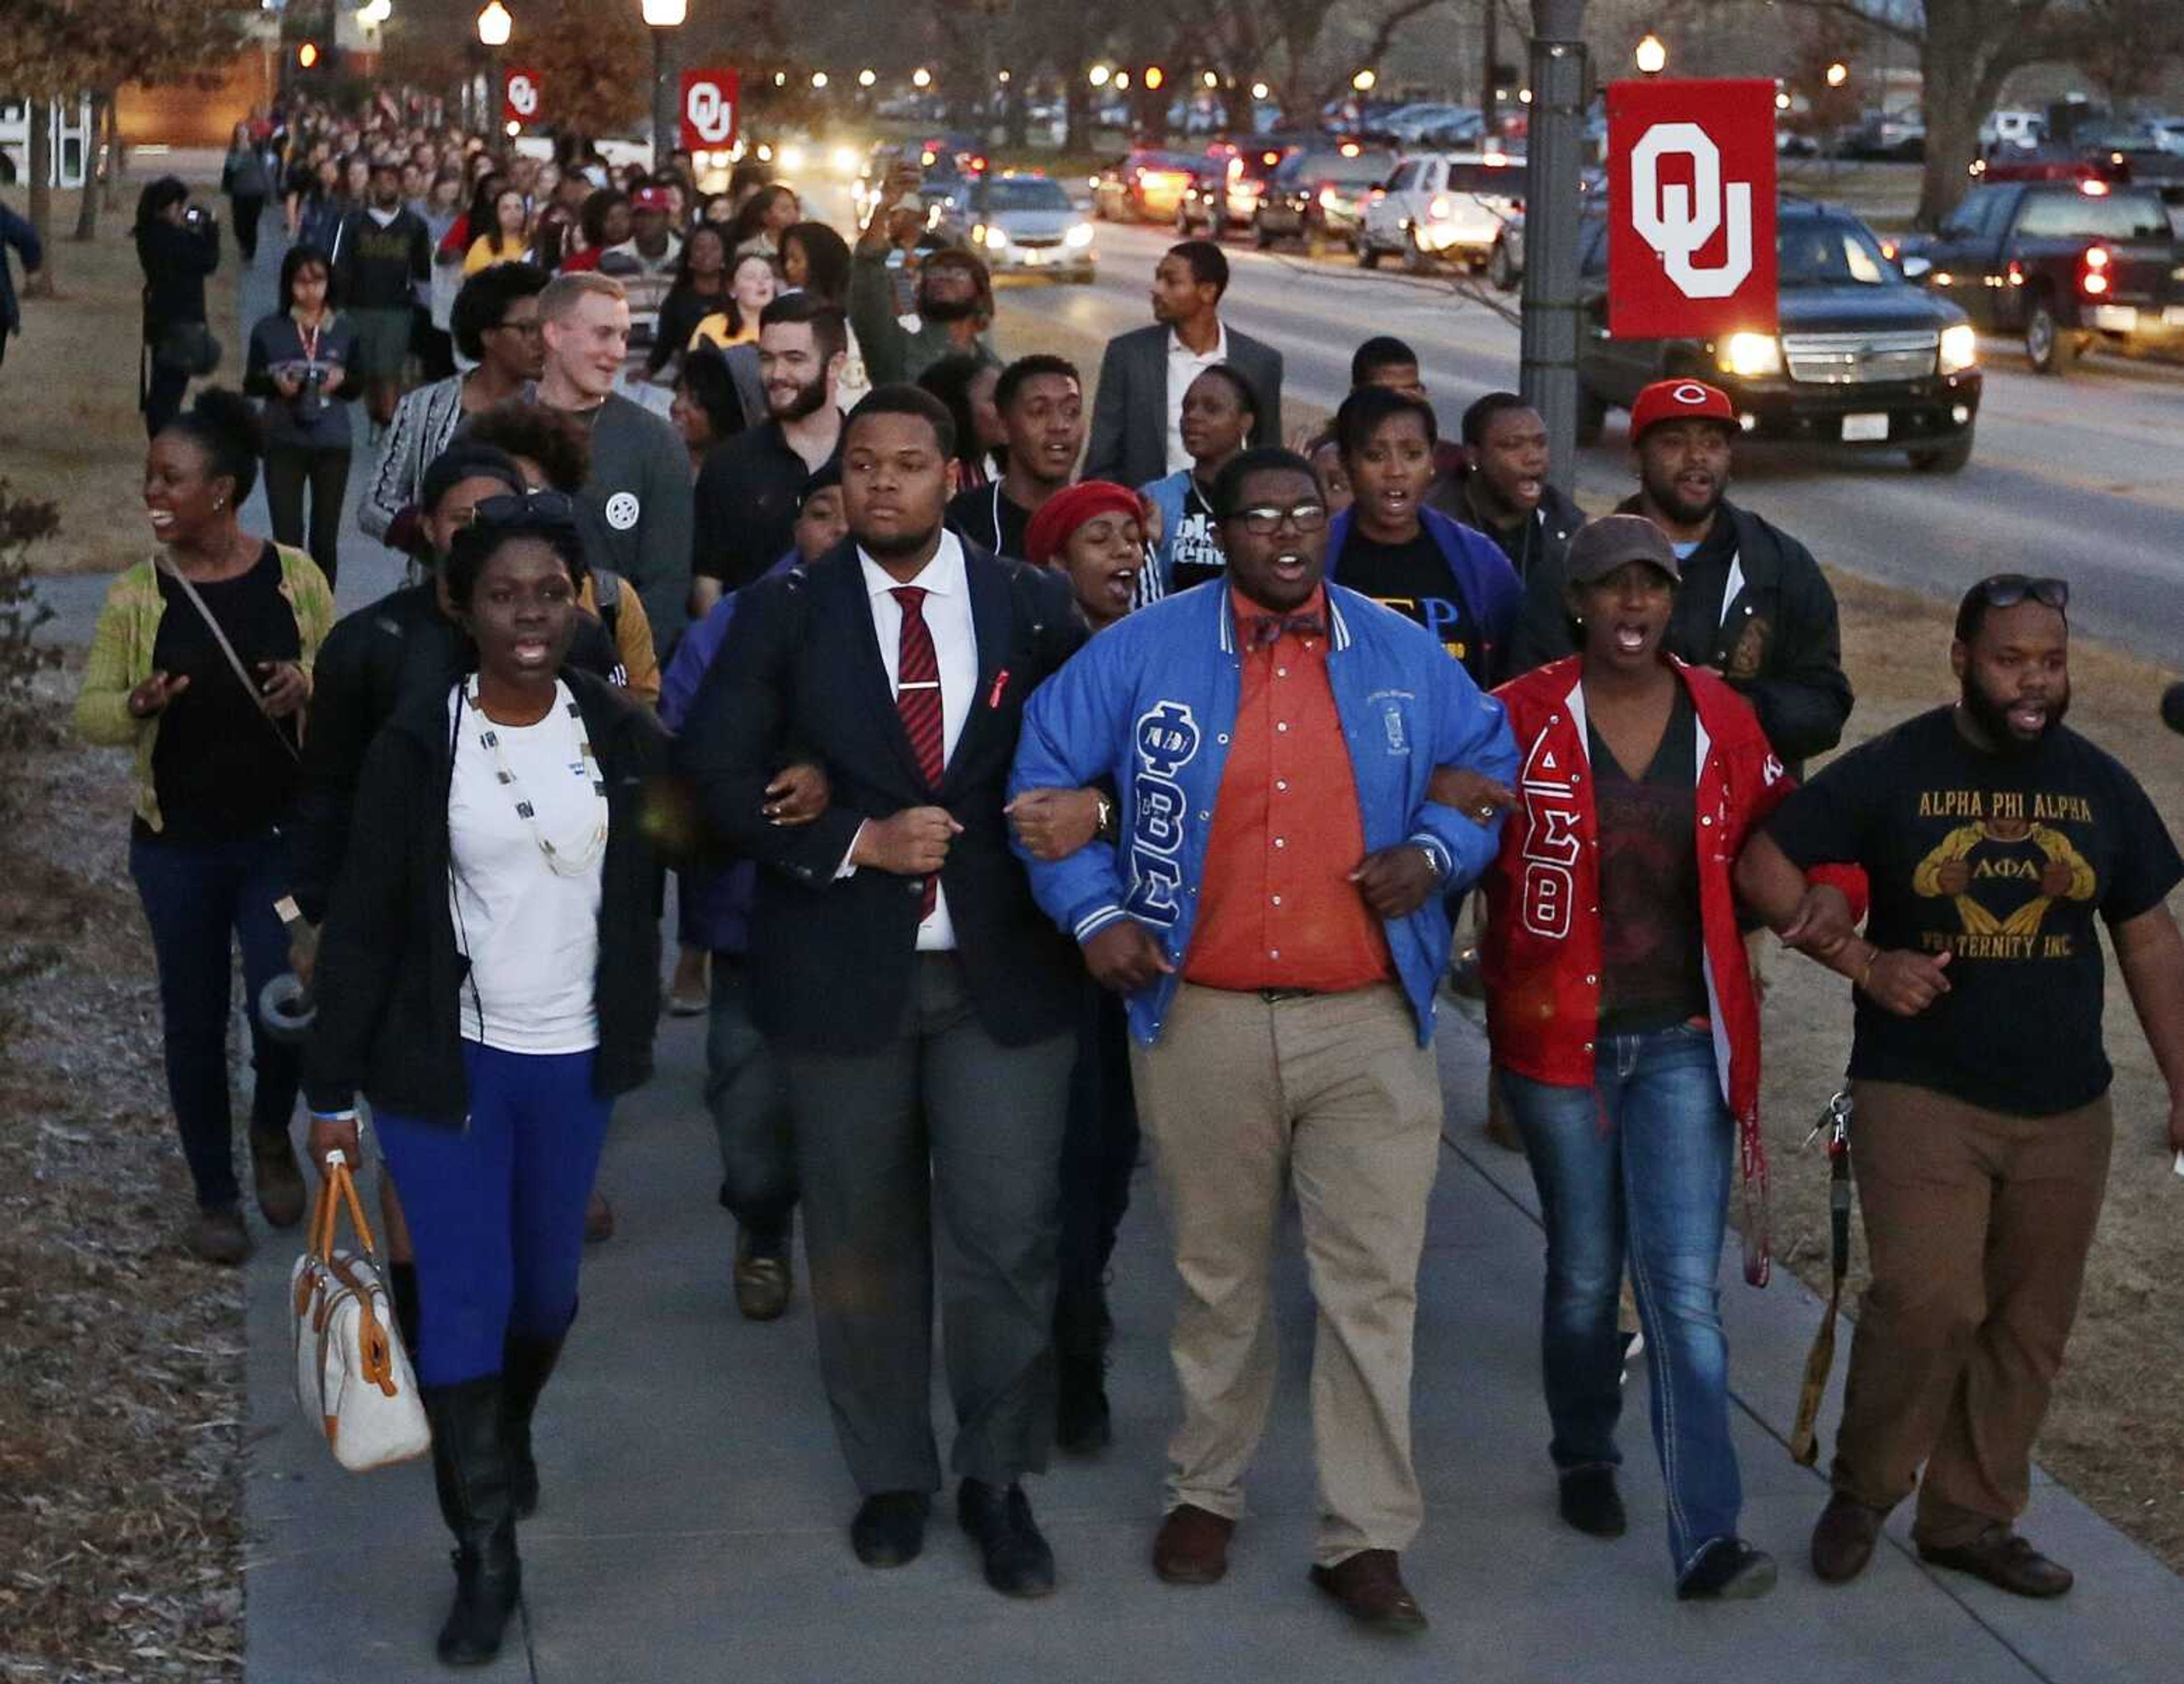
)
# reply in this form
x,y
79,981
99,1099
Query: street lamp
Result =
x,y
1099,75
1652,58
921,77
1155,77
818,79
1260,90
661,16
1838,73
866,78
494,26
1364,81
1211,79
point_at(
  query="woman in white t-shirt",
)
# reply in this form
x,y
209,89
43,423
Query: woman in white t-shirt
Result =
x,y
488,976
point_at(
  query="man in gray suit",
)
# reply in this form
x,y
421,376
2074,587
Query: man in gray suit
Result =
x,y
1137,434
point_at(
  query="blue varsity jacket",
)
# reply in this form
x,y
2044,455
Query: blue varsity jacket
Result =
x,y
1150,704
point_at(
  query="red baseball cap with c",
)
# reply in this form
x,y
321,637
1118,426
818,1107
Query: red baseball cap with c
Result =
x,y
1685,400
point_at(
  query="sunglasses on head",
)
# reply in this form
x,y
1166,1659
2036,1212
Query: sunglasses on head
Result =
x,y
532,510
2006,590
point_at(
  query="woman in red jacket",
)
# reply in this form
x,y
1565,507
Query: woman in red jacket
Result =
x,y
1626,1035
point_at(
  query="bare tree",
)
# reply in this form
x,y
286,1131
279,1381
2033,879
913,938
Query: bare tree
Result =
x,y
2127,46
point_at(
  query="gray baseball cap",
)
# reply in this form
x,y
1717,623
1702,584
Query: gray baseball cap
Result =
x,y
1602,546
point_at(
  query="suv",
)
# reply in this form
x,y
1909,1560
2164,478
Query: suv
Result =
x,y
2068,264
1318,194
1455,206
1226,198
1860,356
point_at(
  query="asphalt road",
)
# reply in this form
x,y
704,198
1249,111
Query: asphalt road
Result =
x,y
2082,477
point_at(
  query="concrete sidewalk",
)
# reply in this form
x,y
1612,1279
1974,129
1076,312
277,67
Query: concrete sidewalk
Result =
x,y
694,1519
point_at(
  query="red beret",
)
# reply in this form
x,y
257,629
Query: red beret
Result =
x,y
1061,514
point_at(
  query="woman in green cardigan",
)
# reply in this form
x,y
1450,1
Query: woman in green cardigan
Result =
x,y
216,750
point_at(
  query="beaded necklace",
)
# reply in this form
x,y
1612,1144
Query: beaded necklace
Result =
x,y
587,766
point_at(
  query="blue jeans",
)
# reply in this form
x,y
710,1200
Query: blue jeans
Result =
x,y
1637,1168
496,1207
749,1106
200,899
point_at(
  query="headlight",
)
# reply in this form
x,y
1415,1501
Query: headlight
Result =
x,y
1080,235
844,161
1959,348
791,157
1752,355
990,236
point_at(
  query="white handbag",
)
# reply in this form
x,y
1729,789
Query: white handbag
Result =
x,y
353,1378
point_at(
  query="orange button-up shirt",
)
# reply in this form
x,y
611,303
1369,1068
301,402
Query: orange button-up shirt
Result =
x,y
1276,908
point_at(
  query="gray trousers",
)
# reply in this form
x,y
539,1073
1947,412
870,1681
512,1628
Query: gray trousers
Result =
x,y
751,1109
942,1127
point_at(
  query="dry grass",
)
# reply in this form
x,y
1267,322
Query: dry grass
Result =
x,y
70,429
121,1375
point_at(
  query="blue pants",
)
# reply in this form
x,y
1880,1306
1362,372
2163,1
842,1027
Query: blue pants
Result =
x,y
200,899
1637,1166
496,1207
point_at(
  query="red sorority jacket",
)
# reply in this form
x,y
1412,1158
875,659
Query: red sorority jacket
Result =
x,y
1541,957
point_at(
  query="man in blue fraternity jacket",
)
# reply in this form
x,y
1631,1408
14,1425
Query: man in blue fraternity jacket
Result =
x,y
1276,910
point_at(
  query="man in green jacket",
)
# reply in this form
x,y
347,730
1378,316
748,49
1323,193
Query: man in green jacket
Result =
x,y
954,300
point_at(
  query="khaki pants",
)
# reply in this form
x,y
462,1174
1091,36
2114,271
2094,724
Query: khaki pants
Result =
x,y
1977,1225
1244,1098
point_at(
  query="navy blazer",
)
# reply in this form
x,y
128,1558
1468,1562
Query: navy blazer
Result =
x,y
1129,415
800,677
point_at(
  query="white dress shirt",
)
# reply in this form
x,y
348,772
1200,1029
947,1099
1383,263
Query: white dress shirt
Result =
x,y
947,610
1184,366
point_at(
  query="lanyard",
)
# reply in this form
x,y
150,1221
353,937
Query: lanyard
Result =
x,y
309,337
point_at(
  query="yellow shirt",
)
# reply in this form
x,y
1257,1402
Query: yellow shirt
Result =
x,y
484,254
714,331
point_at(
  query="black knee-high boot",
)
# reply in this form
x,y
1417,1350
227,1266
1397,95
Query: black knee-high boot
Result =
x,y
470,1467
526,1365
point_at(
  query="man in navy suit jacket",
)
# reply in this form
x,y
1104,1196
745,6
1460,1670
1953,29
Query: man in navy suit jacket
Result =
x,y
923,1009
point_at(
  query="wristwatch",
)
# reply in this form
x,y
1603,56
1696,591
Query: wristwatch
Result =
x,y
1433,861
1107,810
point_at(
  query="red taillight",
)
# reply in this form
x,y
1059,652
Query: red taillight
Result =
x,y
2094,280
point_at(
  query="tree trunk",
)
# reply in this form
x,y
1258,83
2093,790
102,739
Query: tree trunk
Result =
x,y
116,161
87,210
1964,65
40,284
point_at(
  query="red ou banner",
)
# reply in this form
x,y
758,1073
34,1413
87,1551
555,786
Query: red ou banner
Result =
x,y
710,109
1691,194
519,101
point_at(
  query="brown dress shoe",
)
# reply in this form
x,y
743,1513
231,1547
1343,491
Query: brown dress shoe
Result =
x,y
2005,1560
1192,1546
1843,1539
278,1179
218,1236
1372,1592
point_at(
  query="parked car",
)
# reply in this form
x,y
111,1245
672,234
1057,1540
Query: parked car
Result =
x,y
1317,194
2068,265
1147,185
1410,125
2017,131
1225,199
1024,225
1444,207
1898,136
1859,355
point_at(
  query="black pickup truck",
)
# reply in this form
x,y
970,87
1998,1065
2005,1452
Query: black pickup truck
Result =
x,y
1859,356
2067,265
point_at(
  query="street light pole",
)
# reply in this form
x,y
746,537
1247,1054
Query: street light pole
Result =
x,y
662,17
1548,334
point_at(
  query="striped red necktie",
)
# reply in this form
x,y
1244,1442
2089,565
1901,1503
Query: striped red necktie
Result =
x,y
917,700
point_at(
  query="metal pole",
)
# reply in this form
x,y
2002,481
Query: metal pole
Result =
x,y
1490,51
663,108
1550,326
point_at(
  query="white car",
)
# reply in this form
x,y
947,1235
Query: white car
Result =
x,y
2021,129
1447,207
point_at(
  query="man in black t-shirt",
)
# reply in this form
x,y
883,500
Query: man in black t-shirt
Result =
x,y
1041,401
1992,836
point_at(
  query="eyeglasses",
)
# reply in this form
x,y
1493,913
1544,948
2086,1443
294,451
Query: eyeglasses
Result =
x,y
2006,590
1264,519
533,510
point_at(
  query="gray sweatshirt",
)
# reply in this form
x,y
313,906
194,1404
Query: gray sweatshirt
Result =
x,y
635,510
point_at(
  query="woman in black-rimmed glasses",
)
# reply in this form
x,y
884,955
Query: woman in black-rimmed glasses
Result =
x,y
493,1026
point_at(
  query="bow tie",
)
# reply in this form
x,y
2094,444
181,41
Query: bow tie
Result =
x,y
1267,629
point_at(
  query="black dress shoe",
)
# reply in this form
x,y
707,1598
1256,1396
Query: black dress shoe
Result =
x,y
1019,1563
1728,1570
1082,1424
889,1529
1589,1501
2005,1560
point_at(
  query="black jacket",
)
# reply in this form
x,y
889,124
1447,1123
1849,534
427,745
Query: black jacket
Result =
x,y
1778,643
833,959
390,975
1544,538
401,646
175,261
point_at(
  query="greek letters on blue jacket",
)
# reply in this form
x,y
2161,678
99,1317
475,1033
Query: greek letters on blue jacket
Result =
x,y
1484,581
1150,703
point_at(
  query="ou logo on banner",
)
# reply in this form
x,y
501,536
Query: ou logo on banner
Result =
x,y
709,114
709,99
523,94
1678,221
1691,196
